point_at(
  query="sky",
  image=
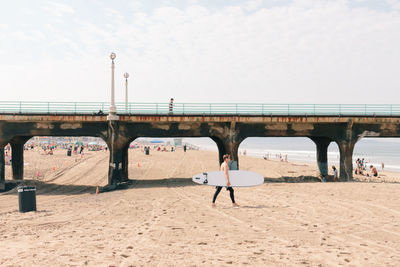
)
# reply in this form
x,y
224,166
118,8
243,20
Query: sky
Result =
x,y
204,51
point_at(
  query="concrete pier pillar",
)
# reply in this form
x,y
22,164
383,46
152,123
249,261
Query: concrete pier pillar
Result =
x,y
117,144
322,144
227,147
17,155
2,169
17,163
346,148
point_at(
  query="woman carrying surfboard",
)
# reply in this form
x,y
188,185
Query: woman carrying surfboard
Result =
x,y
225,169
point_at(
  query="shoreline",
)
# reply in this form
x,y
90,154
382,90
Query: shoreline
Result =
x,y
392,164
383,176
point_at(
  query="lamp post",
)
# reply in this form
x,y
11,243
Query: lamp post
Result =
x,y
113,109
126,76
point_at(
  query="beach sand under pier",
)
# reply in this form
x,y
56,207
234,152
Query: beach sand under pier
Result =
x,y
161,218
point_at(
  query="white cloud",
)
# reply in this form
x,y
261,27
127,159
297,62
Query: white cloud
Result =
x,y
51,28
135,5
394,4
329,47
58,9
29,36
304,52
197,12
113,13
193,2
253,4
27,11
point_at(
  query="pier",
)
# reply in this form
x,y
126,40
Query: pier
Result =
x,y
226,124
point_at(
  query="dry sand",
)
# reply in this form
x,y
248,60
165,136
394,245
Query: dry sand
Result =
x,y
163,219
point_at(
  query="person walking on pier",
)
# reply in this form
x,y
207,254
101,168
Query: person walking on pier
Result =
x,y
171,106
225,169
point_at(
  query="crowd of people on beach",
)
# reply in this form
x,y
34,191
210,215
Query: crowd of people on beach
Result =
x,y
283,158
48,149
71,148
162,148
361,168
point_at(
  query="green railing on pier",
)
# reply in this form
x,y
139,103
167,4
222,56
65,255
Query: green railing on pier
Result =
x,y
30,107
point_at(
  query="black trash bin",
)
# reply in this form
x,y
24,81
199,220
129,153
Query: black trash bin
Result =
x,y
69,152
27,198
147,151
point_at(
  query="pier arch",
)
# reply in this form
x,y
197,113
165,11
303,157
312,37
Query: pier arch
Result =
x,y
48,159
295,151
376,151
201,155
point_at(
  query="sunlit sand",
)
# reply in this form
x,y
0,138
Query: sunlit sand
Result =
x,y
162,218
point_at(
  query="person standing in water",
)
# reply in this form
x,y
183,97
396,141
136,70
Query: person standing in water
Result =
x,y
225,169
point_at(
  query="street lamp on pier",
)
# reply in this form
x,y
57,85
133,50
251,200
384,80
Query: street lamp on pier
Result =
x,y
113,110
126,76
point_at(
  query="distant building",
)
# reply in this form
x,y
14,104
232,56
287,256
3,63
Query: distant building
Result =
x,y
178,141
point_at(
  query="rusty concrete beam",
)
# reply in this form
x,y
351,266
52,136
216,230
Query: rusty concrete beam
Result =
x,y
206,118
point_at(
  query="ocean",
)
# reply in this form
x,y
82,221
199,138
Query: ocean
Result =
x,y
301,149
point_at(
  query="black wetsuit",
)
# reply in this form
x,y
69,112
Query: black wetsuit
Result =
x,y
231,193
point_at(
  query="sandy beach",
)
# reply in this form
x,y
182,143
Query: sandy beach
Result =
x,y
161,218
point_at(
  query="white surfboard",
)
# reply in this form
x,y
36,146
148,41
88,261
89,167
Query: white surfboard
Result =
x,y
237,178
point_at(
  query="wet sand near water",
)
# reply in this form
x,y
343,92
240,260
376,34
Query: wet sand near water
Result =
x,y
162,218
